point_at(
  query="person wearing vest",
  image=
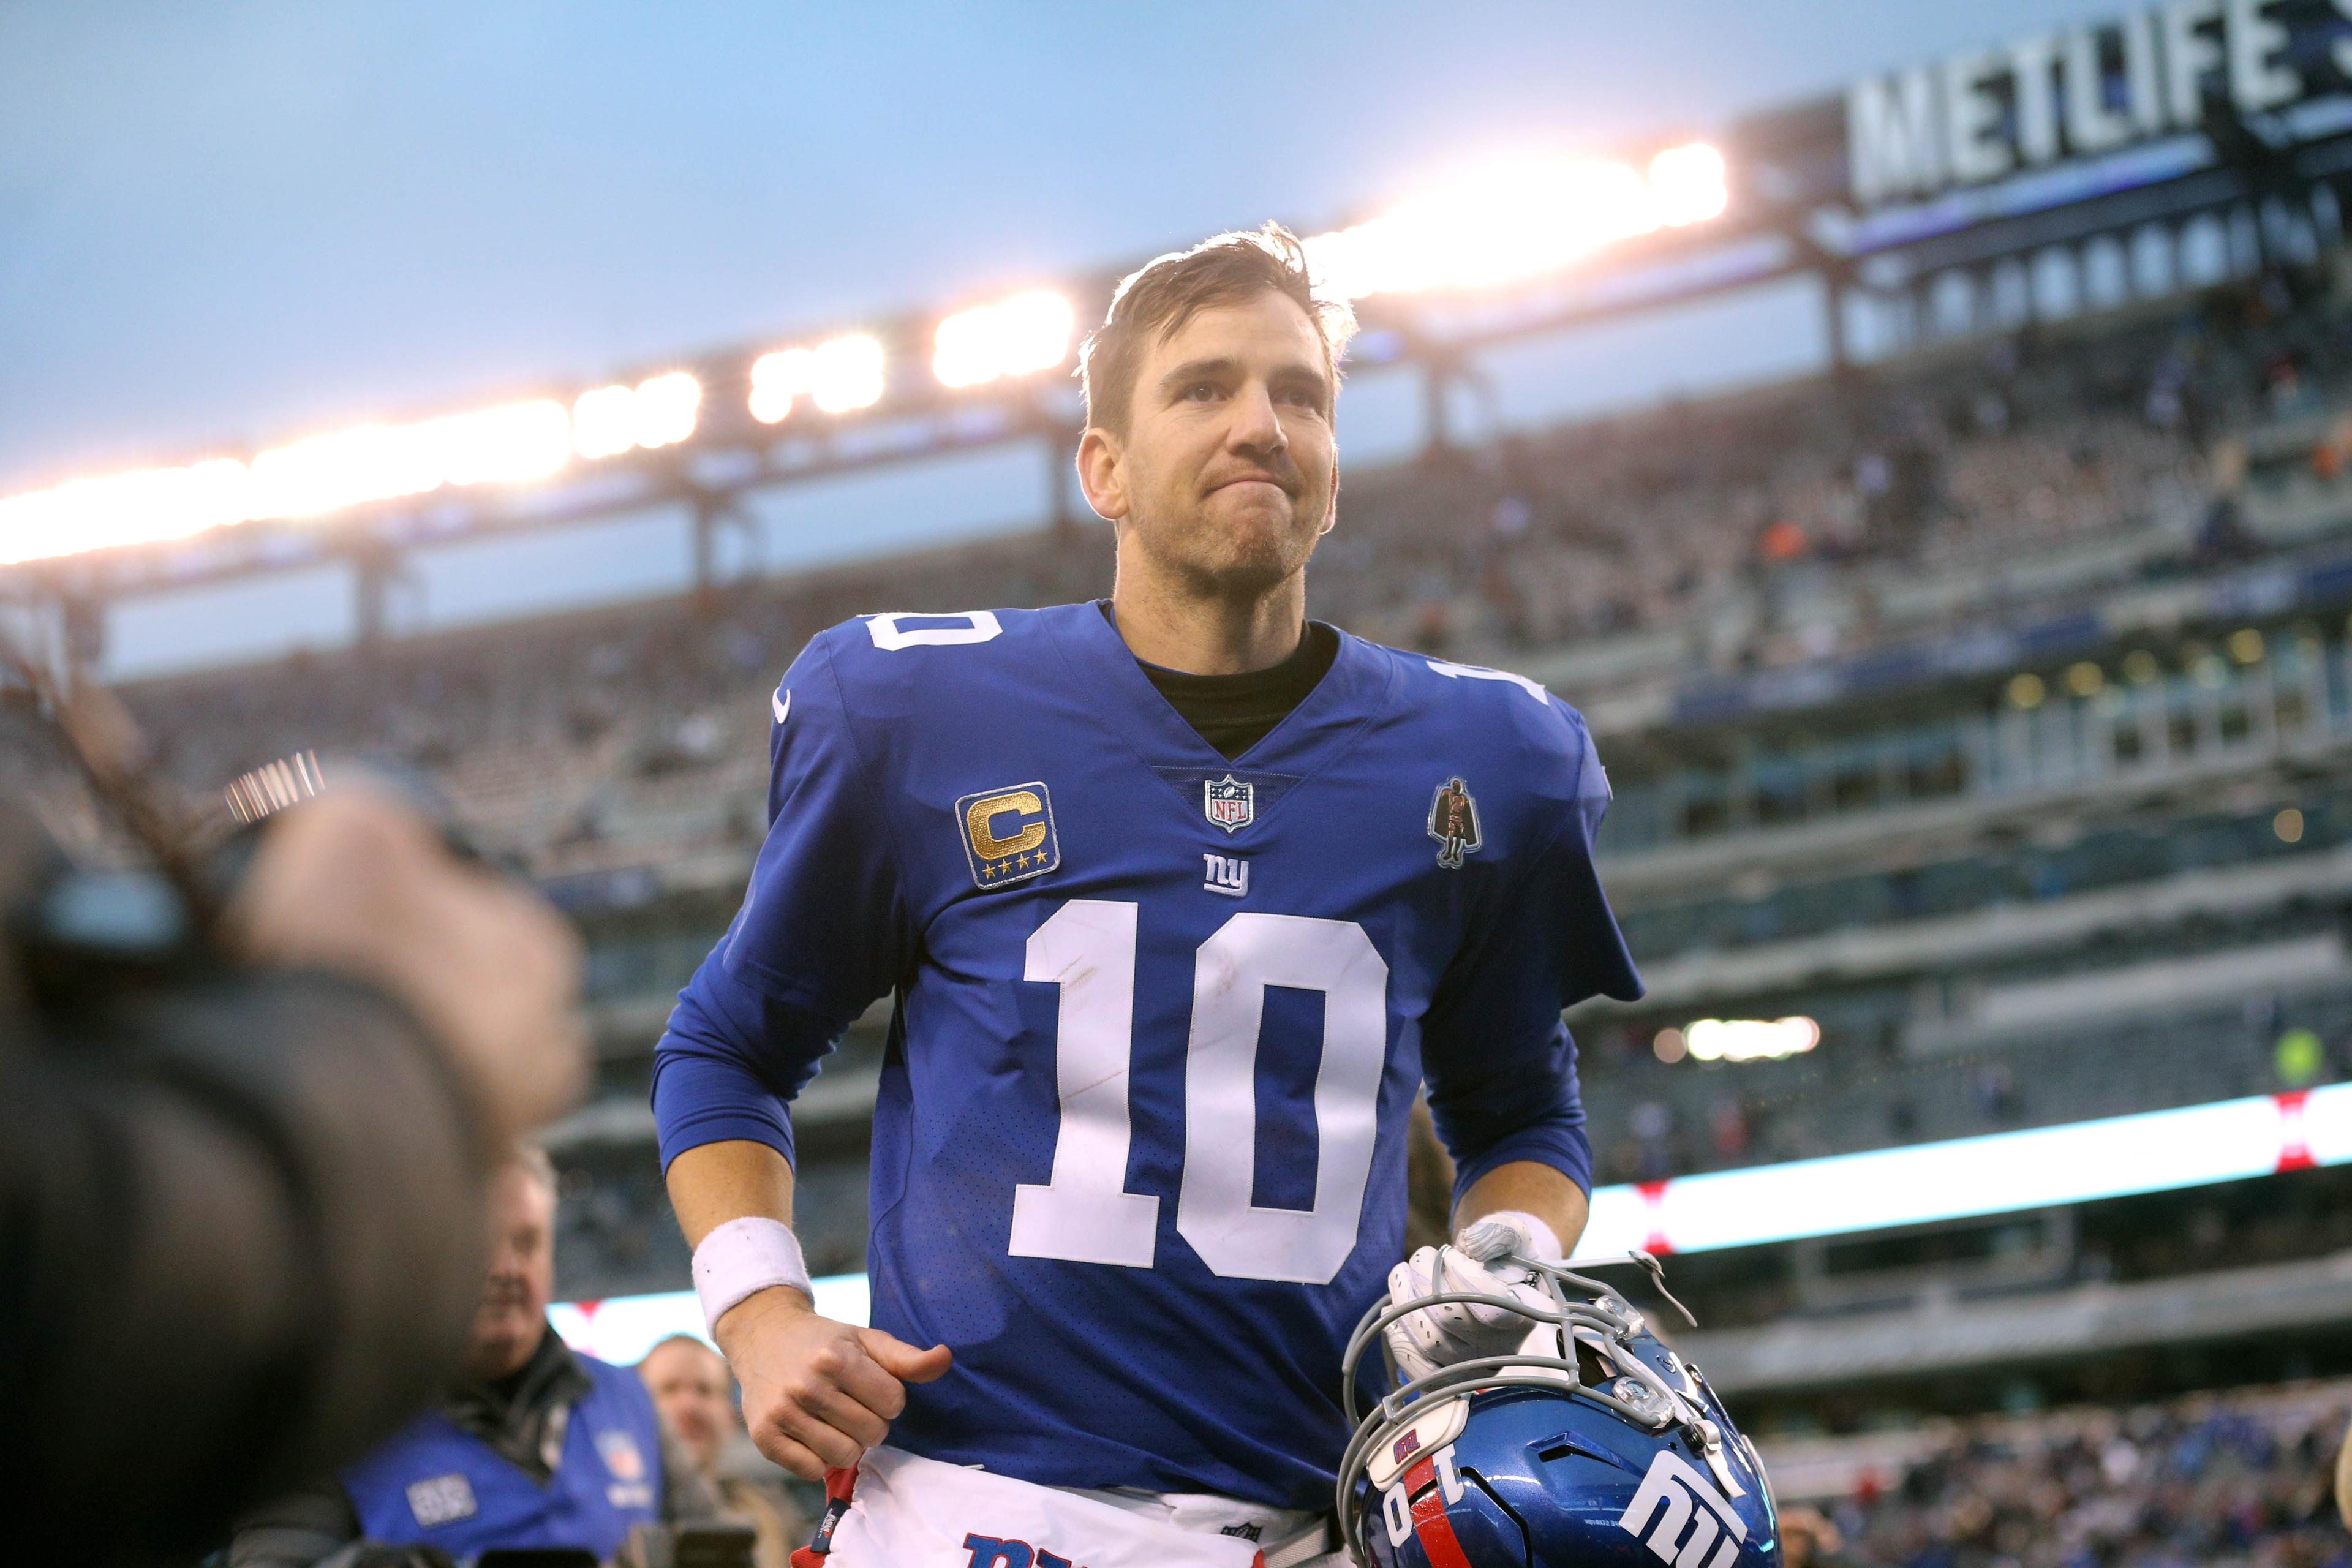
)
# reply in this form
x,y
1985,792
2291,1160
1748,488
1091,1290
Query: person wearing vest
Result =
x,y
533,1445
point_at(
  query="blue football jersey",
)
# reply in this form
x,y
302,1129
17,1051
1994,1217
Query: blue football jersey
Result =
x,y
1138,1152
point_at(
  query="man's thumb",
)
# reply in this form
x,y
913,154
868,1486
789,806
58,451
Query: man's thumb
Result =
x,y
903,1361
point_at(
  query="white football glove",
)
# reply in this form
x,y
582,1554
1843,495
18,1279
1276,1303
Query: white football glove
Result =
x,y
1439,1336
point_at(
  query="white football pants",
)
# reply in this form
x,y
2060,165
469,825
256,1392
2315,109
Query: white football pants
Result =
x,y
912,1512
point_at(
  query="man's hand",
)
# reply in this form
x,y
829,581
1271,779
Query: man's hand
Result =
x,y
1437,1337
358,882
1474,1263
818,1393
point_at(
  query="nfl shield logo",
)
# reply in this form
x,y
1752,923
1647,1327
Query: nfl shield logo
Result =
x,y
621,1456
1229,803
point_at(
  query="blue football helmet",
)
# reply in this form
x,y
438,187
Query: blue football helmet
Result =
x,y
1591,1446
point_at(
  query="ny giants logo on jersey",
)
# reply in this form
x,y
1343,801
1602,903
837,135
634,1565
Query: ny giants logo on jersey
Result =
x,y
1226,874
1008,833
1668,1496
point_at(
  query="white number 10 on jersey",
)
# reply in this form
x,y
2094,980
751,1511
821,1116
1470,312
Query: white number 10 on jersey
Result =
x,y
1085,1214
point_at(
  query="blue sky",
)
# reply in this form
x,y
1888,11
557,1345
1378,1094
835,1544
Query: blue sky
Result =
x,y
227,224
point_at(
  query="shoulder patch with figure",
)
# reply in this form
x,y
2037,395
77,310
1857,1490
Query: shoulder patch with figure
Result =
x,y
1008,833
1454,823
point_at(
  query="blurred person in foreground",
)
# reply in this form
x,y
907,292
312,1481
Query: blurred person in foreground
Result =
x,y
695,1395
240,1202
531,1445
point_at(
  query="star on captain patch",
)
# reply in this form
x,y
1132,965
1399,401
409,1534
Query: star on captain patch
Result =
x,y
1228,803
1008,833
1454,823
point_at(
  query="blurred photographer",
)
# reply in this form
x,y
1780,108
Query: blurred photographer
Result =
x,y
241,1198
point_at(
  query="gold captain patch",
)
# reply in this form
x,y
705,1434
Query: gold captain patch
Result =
x,y
1008,833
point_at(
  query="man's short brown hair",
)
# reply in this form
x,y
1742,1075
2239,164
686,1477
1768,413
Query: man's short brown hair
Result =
x,y
1155,302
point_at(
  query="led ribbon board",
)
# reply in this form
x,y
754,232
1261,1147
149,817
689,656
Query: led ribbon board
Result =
x,y
1922,1184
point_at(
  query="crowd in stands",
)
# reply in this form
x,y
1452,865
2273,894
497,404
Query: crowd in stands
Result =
x,y
586,740
1650,1122
2215,1480
1670,519
2096,857
632,737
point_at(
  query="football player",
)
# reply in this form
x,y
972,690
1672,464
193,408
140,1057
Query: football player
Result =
x,y
1180,895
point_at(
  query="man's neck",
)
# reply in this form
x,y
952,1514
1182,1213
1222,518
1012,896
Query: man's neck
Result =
x,y
1205,634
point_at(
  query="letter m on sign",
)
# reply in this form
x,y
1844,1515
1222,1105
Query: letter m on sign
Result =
x,y
1675,1498
1894,142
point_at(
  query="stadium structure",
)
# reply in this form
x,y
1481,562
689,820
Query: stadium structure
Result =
x,y
1978,709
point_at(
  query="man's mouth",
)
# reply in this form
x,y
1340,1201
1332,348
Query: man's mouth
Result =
x,y
1250,479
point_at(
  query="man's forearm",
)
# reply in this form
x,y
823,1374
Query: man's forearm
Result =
x,y
1530,1187
816,1393
713,1183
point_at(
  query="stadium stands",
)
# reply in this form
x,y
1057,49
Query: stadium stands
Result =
x,y
1950,705
2237,1478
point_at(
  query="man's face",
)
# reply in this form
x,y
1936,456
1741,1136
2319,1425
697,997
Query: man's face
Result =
x,y
1228,466
693,1393
513,1312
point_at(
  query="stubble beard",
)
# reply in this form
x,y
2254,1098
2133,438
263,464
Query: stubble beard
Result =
x,y
1222,556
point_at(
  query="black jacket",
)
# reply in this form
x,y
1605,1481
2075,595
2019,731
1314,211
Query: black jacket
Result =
x,y
241,1238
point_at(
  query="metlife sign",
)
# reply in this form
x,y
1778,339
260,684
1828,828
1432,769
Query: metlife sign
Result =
x,y
1981,115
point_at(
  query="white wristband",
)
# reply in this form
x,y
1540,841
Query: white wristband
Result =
x,y
1491,1236
742,1257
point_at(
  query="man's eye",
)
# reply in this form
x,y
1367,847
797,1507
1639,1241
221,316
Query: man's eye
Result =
x,y
1201,389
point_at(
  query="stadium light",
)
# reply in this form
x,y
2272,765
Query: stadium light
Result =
x,y
667,407
603,422
379,462
1018,336
1516,219
1509,222
518,442
122,508
659,411
837,376
1750,1039
1917,1183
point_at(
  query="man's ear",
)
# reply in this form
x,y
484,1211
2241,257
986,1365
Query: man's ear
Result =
x,y
1102,475
1331,511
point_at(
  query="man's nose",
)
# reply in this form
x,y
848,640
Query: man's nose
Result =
x,y
1257,427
